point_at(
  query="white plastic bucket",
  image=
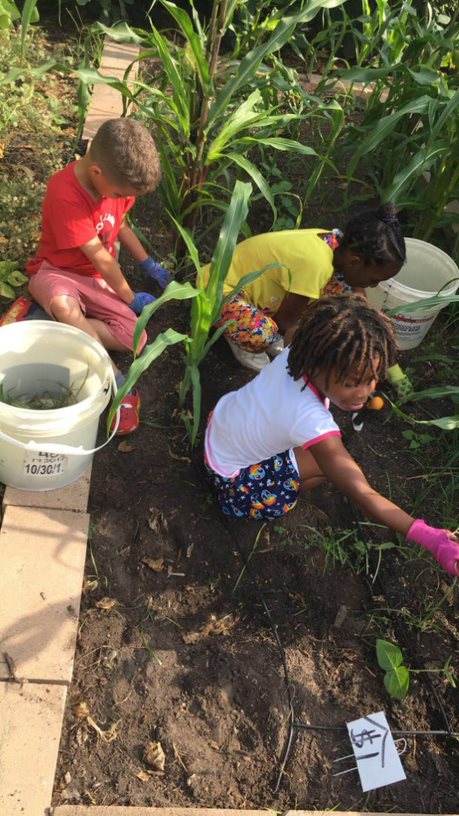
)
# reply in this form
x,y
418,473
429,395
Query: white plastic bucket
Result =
x,y
428,271
47,449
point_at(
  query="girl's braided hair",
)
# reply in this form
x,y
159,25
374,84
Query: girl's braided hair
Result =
x,y
376,236
342,336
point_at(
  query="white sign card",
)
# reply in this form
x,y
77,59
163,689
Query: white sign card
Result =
x,y
378,762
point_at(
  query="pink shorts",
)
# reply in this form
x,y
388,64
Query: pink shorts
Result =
x,y
94,296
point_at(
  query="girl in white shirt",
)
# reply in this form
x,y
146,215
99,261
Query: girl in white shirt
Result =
x,y
276,435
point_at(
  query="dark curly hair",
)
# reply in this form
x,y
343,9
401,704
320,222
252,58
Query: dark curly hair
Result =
x,y
376,236
343,336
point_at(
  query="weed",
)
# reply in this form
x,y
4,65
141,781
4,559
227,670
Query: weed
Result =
x,y
348,549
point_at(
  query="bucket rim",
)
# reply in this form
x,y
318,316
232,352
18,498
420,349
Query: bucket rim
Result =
x,y
449,288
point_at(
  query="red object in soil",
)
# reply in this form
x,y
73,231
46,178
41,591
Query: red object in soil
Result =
x,y
17,311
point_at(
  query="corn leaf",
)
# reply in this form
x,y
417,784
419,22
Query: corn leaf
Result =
x,y
248,66
426,303
256,176
175,291
184,21
137,368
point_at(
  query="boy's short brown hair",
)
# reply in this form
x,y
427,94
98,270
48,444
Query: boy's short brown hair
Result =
x,y
126,153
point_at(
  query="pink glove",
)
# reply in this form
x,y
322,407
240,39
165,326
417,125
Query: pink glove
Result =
x,y
439,542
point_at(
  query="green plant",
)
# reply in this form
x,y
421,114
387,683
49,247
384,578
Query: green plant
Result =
x,y
397,675
207,303
348,548
209,112
410,126
417,440
10,279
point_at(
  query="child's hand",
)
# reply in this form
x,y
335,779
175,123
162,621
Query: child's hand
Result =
x,y
443,545
141,299
154,271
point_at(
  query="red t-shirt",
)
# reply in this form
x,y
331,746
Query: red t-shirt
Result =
x,y
71,218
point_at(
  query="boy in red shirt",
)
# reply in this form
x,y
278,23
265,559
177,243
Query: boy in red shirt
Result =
x,y
75,276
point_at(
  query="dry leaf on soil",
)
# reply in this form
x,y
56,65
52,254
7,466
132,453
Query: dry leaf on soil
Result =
x,y
107,603
214,626
155,564
154,756
126,447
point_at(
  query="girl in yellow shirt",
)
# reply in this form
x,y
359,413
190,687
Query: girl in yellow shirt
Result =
x,y
302,265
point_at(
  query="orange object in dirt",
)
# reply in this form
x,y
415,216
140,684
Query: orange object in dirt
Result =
x,y
376,403
17,311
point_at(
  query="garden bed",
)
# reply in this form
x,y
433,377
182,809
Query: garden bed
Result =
x,y
183,652
183,643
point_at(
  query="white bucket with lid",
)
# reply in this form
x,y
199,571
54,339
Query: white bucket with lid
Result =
x,y
47,449
428,271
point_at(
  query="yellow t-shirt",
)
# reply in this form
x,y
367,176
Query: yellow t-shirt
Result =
x,y
304,265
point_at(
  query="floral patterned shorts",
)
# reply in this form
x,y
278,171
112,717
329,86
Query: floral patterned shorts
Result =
x,y
252,329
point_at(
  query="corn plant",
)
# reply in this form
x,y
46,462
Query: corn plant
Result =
x,y
410,126
209,113
207,302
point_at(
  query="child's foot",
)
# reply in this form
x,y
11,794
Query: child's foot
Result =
x,y
129,414
247,358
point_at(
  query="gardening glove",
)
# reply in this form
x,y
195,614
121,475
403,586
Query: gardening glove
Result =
x,y
141,299
154,271
440,543
400,382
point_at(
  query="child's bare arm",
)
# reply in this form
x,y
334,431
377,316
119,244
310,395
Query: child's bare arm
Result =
x,y
340,468
290,311
109,268
130,241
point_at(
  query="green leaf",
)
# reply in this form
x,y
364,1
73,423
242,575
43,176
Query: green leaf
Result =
x,y
424,304
420,163
6,291
17,278
150,353
29,15
397,682
229,233
388,654
174,291
249,65
192,38
256,176
120,32
6,267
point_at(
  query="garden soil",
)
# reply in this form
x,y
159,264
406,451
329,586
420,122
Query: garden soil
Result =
x,y
201,639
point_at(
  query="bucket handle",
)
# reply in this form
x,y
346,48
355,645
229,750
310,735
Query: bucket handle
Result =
x,y
67,450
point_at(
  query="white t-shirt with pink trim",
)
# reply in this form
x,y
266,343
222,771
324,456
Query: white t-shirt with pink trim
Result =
x,y
269,415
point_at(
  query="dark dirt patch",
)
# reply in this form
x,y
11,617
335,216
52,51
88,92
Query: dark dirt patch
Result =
x,y
185,660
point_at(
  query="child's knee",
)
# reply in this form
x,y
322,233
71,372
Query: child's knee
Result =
x,y
64,308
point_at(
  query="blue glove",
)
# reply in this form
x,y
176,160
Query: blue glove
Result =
x,y
154,271
141,299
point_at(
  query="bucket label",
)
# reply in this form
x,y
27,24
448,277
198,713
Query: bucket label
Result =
x,y
40,463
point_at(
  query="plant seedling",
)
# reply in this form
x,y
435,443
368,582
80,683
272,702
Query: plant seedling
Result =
x,y
397,675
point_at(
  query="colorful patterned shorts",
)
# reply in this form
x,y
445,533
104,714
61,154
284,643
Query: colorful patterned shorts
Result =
x,y
252,329
266,490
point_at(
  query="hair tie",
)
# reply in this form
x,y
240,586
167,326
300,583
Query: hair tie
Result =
x,y
389,219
